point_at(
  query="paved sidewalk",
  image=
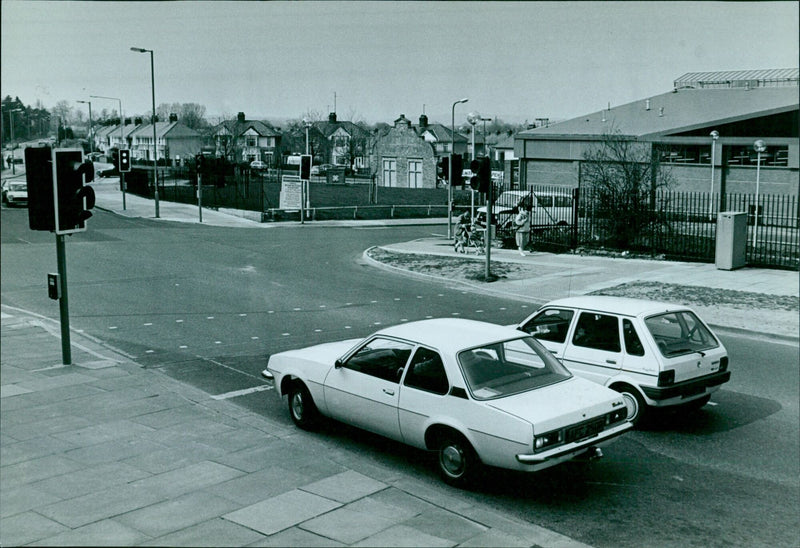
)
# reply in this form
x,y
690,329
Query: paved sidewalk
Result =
x,y
105,452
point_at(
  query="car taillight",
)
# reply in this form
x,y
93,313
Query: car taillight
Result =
x,y
723,363
666,378
616,416
550,439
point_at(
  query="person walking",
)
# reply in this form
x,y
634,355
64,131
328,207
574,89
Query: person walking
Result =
x,y
522,222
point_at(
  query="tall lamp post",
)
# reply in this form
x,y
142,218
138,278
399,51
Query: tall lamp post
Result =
x,y
759,147
153,120
91,128
121,141
714,137
13,146
452,151
485,148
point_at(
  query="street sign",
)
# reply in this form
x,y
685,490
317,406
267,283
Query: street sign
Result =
x,y
291,197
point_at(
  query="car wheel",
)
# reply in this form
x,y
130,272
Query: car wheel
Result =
x,y
301,407
458,462
637,407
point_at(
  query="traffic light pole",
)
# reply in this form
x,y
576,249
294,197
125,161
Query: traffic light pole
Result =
x,y
489,221
200,195
63,301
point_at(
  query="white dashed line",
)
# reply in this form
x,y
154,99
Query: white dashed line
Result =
x,y
112,326
149,351
297,309
285,334
148,323
244,392
217,342
242,315
254,338
209,317
178,321
183,346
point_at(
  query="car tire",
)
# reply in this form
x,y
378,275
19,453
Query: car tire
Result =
x,y
458,463
637,407
302,409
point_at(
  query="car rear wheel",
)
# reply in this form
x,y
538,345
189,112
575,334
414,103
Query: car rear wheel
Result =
x,y
458,463
634,402
301,407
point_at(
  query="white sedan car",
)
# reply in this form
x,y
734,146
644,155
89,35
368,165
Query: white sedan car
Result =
x,y
474,392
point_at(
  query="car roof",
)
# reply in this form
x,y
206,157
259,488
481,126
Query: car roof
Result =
x,y
451,334
620,305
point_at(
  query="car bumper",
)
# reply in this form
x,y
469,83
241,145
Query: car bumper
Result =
x,y
571,450
686,389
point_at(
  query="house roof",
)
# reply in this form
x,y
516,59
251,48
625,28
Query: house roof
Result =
x,y
104,131
173,129
262,128
731,77
441,132
328,128
507,142
675,112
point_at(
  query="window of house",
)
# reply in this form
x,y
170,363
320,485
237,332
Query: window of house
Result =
x,y
251,141
415,173
389,172
598,331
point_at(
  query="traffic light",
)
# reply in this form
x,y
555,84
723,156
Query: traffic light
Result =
x,y
458,167
444,166
73,200
481,174
39,176
305,167
124,160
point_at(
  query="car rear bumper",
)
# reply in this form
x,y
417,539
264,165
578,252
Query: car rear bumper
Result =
x,y
692,387
566,452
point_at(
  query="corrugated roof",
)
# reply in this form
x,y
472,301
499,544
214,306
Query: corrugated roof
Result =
x,y
734,75
683,110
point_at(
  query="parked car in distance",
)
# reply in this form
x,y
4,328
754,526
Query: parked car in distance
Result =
x,y
475,393
15,193
655,354
258,165
314,170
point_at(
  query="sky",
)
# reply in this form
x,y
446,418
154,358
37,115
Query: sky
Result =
x,y
372,61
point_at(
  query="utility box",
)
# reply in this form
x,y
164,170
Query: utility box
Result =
x,y
731,252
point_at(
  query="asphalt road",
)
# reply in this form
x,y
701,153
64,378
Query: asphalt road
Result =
x,y
208,305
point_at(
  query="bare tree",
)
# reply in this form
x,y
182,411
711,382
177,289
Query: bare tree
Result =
x,y
620,176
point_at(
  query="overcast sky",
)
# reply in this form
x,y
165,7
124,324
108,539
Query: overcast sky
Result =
x,y
273,60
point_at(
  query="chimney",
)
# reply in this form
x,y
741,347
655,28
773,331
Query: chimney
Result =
x,y
647,104
240,117
137,120
173,117
402,122
332,117
423,121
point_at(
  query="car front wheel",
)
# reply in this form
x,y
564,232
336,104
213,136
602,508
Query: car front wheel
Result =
x,y
458,463
634,402
301,407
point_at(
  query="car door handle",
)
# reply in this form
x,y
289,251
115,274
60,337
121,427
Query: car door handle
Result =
x,y
388,391
612,362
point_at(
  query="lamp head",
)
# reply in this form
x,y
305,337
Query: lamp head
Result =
x,y
759,146
715,134
139,50
473,118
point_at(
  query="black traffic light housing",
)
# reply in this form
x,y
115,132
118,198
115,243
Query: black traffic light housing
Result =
x,y
456,178
39,176
482,174
124,160
73,200
305,167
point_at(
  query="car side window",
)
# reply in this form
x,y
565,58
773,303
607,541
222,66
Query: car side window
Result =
x,y
633,345
382,358
550,325
598,331
426,372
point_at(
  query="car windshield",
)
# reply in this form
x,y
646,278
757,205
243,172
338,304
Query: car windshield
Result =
x,y
679,333
509,367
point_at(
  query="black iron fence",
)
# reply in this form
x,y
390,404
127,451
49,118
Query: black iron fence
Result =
x,y
676,225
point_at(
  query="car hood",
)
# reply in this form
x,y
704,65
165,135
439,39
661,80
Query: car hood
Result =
x,y
324,353
568,402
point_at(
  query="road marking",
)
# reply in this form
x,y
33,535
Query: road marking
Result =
x,y
712,403
149,323
254,338
245,392
112,326
242,315
183,346
178,321
209,317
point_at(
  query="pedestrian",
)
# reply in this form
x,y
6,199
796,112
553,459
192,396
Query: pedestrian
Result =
x,y
8,160
522,222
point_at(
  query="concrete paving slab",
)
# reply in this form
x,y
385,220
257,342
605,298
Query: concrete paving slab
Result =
x,y
345,487
176,514
281,512
297,537
111,451
257,486
60,381
26,528
107,532
348,526
101,433
16,500
398,511
166,459
89,480
448,525
402,535
8,390
54,425
190,478
214,532
41,455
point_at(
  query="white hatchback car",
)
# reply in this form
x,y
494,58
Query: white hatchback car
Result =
x,y
655,354
474,392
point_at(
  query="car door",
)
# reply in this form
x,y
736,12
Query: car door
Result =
x,y
423,394
594,350
364,389
550,326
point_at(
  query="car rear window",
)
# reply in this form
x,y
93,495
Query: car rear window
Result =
x,y
678,333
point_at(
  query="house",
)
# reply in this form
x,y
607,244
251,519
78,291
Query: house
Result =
x,y
243,141
402,159
340,143
441,137
102,137
706,116
174,140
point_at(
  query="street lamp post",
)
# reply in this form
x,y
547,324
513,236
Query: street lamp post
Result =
x,y
452,151
13,146
153,120
91,128
759,147
714,137
121,142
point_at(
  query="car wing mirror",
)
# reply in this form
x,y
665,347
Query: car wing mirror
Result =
x,y
338,363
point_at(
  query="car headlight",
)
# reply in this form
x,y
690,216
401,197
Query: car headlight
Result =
x,y
548,440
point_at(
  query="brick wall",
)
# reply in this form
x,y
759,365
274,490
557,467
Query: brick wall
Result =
x,y
402,143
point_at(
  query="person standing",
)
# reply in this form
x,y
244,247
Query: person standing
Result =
x,y
522,222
